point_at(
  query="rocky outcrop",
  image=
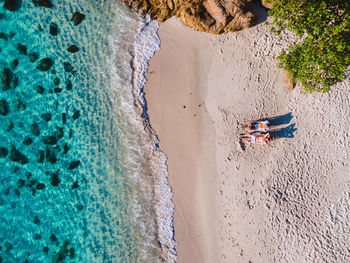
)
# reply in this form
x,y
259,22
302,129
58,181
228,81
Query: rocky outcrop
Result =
x,y
212,16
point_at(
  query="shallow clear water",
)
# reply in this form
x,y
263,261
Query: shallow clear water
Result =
x,y
74,174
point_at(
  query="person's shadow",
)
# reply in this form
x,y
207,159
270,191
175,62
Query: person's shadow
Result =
x,y
279,120
286,132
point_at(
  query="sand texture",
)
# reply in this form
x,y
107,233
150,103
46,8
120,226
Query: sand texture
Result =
x,y
289,202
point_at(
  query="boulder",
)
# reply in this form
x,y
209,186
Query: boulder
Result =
x,y
43,3
4,107
266,4
78,18
289,80
22,49
8,79
54,30
73,165
12,5
45,64
212,16
73,49
17,156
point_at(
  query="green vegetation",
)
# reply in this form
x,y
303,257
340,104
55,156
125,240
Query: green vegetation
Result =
x,y
323,56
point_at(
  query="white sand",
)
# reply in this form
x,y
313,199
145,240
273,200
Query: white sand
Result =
x,y
289,202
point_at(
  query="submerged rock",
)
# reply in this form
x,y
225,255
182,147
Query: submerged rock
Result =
x,y
41,156
73,165
27,141
57,90
3,36
3,152
68,67
212,16
14,63
8,125
8,79
40,186
59,132
12,5
37,237
76,114
4,107
40,89
64,118
50,140
33,56
54,30
55,180
73,49
20,183
22,49
36,220
65,148
80,207
50,156
34,128
75,185
45,64
43,3
69,85
46,116
78,18
56,81
18,105
17,156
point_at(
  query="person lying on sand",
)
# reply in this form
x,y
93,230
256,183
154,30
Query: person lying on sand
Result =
x,y
262,126
256,138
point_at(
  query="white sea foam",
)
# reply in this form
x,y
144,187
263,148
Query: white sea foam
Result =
x,y
146,43
144,163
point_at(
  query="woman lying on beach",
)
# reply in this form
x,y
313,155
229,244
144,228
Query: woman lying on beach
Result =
x,y
262,126
256,138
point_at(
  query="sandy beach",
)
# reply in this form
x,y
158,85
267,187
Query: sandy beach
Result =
x,y
289,202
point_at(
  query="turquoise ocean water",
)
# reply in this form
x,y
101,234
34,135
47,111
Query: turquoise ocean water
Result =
x,y
81,178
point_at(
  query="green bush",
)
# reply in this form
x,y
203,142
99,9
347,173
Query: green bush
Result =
x,y
323,57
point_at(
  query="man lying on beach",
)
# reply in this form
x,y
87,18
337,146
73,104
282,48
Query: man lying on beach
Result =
x,y
262,126
256,138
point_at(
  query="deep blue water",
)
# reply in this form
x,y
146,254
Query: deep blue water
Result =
x,y
65,189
